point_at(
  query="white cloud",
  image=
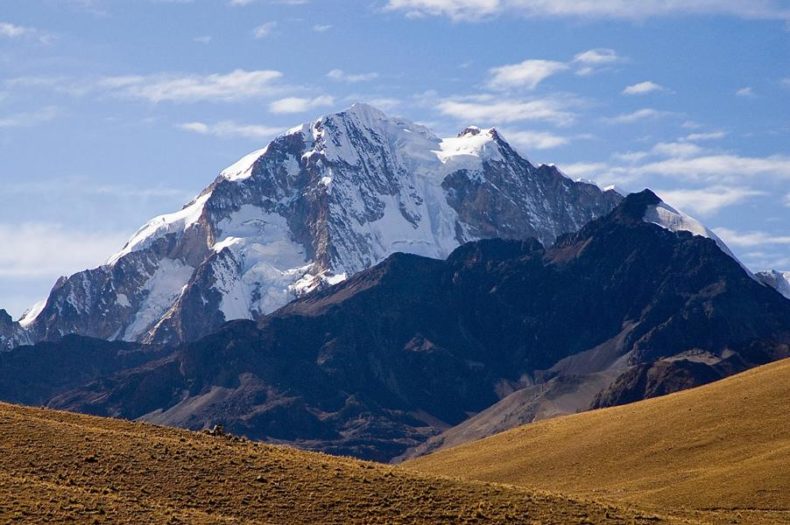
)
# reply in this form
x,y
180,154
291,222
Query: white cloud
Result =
x,y
745,92
29,119
643,88
236,85
750,239
51,250
206,39
718,167
528,73
616,9
636,116
534,140
300,105
229,129
341,76
711,135
583,169
707,201
676,149
485,110
598,56
13,31
595,60
264,30
322,28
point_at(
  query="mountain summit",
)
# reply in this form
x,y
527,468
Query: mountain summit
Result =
x,y
321,202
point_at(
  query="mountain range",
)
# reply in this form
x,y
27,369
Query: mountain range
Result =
x,y
363,287
390,362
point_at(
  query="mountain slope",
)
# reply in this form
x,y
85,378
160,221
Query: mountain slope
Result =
x,y
721,446
64,467
320,203
398,353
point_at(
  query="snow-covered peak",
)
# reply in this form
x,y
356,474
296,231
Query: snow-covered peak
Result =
x,y
471,142
242,169
674,220
779,281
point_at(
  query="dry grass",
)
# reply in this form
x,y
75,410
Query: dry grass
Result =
x,y
61,467
718,452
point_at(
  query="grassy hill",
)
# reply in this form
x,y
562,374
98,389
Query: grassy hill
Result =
x,y
62,467
724,446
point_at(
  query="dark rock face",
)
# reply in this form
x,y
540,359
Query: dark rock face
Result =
x,y
324,201
11,333
379,363
32,375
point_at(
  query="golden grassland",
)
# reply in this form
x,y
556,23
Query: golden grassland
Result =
x,y
62,467
720,452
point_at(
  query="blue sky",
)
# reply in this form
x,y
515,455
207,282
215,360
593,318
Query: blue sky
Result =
x,y
112,112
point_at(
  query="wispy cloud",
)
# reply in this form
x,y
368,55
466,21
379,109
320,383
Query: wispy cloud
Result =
x,y
300,105
13,31
322,28
41,250
707,201
264,30
534,140
527,74
676,149
29,119
595,60
751,238
636,116
230,129
490,110
236,85
746,92
643,88
711,135
460,10
339,75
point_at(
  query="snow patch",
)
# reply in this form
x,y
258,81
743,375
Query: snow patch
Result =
x,y
163,225
30,315
122,300
264,262
664,215
161,290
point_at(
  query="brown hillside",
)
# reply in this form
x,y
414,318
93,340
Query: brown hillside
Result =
x,y
62,467
722,446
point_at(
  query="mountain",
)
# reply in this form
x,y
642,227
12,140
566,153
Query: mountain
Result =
x,y
780,281
68,468
629,307
11,332
318,204
720,448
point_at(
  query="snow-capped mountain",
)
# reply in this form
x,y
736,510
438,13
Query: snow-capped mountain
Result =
x,y
779,281
321,202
